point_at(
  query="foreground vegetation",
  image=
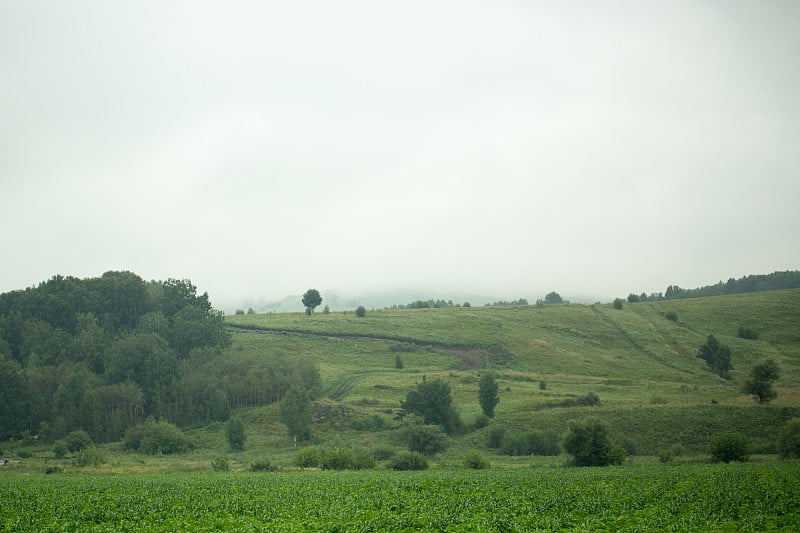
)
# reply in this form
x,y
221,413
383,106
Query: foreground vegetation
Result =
x,y
708,498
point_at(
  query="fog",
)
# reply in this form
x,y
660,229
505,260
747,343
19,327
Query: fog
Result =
x,y
501,149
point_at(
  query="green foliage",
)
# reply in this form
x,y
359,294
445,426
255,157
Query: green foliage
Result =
x,y
487,393
53,469
425,439
398,362
717,356
553,298
542,385
326,310
728,447
759,383
59,449
234,432
633,298
311,299
475,460
748,333
618,303
588,443
89,456
77,440
789,440
409,461
672,316
432,401
534,442
370,423
156,438
494,437
295,412
263,465
750,497
347,459
308,457
220,464
481,421
361,312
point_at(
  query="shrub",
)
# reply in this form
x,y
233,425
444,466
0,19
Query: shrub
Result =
x,y
672,316
759,383
494,437
481,421
382,453
89,456
747,333
617,455
426,439
398,362
534,442
77,440
475,460
409,461
543,385
234,432
220,464
156,438
618,303
588,443
728,447
52,469
371,423
360,311
308,457
347,459
789,440
59,449
263,465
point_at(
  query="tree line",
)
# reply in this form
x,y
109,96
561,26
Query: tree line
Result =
x,y
747,284
103,354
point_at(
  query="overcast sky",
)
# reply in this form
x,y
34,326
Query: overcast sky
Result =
x,y
503,148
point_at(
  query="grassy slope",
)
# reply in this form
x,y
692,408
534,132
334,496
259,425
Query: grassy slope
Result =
x,y
654,390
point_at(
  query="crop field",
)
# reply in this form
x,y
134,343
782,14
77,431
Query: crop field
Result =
x,y
740,497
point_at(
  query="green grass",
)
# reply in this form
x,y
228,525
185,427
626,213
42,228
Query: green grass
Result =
x,y
752,497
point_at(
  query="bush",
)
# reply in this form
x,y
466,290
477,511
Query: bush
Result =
x,y
534,442
77,440
156,438
360,311
220,464
409,461
347,459
543,385
747,333
588,443
234,432
789,440
371,423
672,316
59,449
618,303
52,469
308,457
263,465
728,447
398,362
426,439
494,437
481,421
89,456
475,460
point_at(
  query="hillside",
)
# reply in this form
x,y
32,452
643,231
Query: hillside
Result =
x,y
654,391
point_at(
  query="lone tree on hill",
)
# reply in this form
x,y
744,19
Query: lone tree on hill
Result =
x,y
553,298
311,299
759,384
487,394
717,355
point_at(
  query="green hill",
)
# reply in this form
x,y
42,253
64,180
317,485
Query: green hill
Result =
x,y
654,391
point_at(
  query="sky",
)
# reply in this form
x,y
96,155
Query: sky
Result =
x,y
500,148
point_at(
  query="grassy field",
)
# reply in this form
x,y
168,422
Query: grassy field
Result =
x,y
693,498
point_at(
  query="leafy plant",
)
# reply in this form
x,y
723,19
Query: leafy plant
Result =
x,y
728,447
409,461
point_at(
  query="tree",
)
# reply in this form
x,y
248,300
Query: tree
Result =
x,y
311,299
588,443
717,356
487,394
295,412
634,298
728,447
432,401
425,439
759,384
360,311
553,298
234,432
618,303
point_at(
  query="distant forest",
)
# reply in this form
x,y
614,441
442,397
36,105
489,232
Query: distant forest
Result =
x,y
103,354
789,279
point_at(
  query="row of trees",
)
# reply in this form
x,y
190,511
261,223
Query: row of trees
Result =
x,y
747,284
